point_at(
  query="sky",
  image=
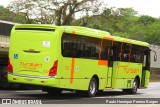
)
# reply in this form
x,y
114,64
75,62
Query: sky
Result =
x,y
144,7
4,2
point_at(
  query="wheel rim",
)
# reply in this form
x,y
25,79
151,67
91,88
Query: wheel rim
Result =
x,y
135,86
92,87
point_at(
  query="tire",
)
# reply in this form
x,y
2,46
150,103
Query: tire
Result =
x,y
134,88
92,89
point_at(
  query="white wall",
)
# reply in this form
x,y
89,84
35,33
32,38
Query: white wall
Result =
x,y
157,63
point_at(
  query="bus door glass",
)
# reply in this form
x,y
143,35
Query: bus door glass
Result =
x,y
106,54
146,68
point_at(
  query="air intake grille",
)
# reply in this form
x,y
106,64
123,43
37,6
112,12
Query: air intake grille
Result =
x,y
40,29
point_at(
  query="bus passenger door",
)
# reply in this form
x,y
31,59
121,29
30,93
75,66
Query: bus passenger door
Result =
x,y
146,69
106,54
110,67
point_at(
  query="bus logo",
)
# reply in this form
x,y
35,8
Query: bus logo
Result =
x,y
15,56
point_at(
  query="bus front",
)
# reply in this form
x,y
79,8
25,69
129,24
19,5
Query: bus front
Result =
x,y
33,55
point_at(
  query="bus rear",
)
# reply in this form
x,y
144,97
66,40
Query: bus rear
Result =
x,y
33,55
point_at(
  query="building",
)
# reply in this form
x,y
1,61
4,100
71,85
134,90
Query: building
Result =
x,y
155,65
5,29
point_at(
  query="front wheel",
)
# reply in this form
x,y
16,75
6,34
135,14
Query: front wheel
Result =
x,y
134,88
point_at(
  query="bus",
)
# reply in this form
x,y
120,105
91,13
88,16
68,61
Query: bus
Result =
x,y
76,58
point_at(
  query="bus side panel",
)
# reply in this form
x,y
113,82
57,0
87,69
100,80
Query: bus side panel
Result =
x,y
147,77
77,73
109,77
124,73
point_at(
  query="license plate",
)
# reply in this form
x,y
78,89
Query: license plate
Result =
x,y
29,80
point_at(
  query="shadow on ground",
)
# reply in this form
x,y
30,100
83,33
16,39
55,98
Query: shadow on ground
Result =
x,y
71,95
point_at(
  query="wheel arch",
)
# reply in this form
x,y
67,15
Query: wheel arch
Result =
x,y
97,79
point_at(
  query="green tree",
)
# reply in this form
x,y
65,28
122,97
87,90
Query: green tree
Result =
x,y
59,12
7,15
145,20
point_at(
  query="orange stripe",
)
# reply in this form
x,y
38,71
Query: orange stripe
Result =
x,y
73,32
121,52
130,53
72,71
103,62
100,49
109,38
112,43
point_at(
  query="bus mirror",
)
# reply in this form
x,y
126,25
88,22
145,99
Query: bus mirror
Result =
x,y
155,55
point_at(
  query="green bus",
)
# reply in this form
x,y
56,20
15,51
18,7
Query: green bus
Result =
x,y
76,58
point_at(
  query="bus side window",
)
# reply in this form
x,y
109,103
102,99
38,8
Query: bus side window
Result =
x,y
144,60
137,54
125,52
105,50
78,46
117,51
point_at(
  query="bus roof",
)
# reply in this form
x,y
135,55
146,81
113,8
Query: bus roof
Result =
x,y
85,31
101,34
131,41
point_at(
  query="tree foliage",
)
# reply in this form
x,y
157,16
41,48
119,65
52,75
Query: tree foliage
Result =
x,y
7,15
125,22
59,12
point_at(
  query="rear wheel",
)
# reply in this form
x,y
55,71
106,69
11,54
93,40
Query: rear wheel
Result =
x,y
92,89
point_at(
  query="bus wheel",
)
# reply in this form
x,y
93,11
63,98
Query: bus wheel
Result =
x,y
134,88
92,89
